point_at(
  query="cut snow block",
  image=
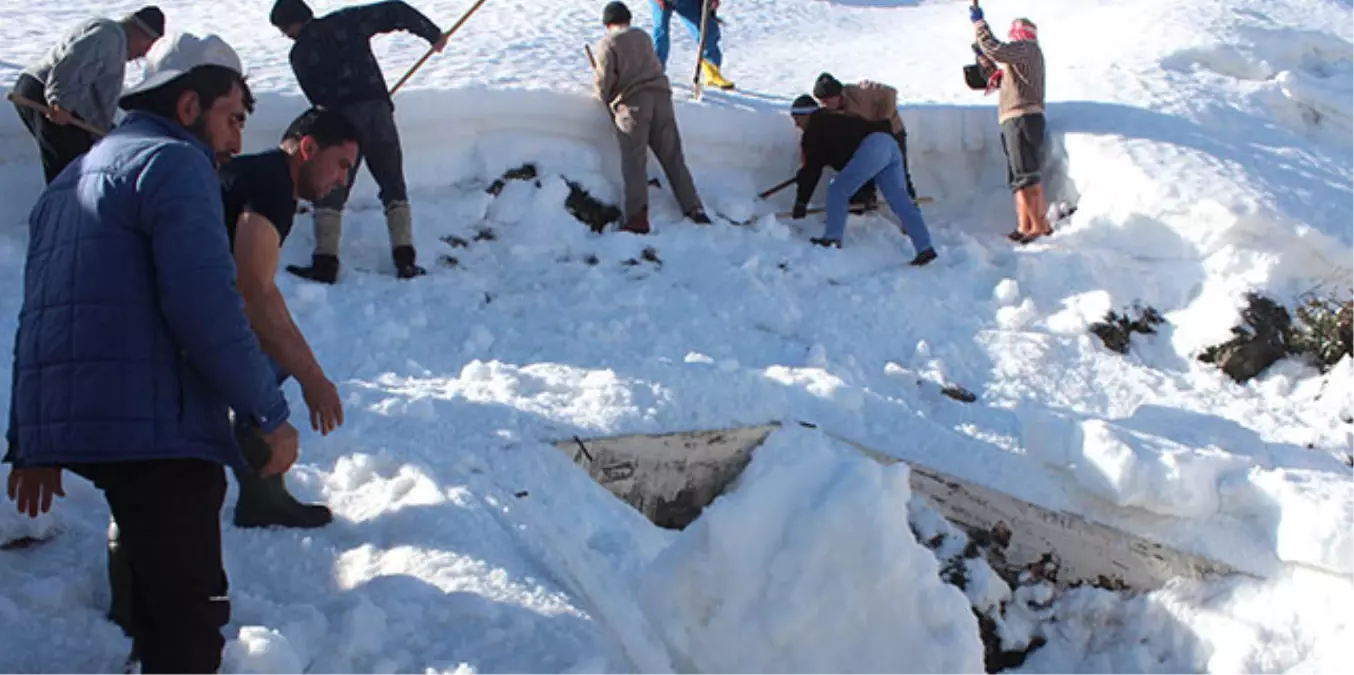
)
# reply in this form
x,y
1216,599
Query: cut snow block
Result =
x,y
672,477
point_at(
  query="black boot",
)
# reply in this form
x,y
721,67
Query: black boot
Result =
x,y
405,268
264,502
323,268
865,199
698,216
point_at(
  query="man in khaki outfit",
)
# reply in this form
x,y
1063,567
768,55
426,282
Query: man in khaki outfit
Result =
x,y
874,102
630,81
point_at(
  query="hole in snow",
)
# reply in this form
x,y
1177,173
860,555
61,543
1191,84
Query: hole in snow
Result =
x,y
669,478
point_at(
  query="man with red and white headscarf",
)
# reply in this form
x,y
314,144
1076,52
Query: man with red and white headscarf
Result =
x,y
1020,111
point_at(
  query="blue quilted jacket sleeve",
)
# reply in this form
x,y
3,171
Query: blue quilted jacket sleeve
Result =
x,y
195,278
12,433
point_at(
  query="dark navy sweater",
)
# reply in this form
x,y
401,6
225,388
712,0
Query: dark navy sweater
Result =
x,y
332,56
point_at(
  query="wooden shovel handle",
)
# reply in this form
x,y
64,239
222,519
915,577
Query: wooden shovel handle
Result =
x,y
42,108
778,187
428,54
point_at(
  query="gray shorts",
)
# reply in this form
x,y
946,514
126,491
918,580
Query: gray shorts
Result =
x,y
1022,141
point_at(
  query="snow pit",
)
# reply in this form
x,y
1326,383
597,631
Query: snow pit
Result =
x,y
669,478
725,490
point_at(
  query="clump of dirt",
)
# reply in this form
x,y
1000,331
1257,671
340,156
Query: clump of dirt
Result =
x,y
589,210
580,204
524,172
649,254
1323,330
1322,333
1032,592
1257,344
1116,329
958,393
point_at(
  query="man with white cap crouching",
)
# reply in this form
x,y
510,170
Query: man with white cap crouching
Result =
x,y
133,345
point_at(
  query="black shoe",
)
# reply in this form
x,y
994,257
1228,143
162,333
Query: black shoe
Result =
x,y
266,502
323,268
405,268
924,257
698,216
826,243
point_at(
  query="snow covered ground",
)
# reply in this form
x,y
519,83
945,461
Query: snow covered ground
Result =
x,y
1206,146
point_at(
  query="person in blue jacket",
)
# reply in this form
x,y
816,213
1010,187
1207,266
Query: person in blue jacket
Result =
x,y
133,347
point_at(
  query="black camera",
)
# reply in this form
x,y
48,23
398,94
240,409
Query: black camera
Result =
x,y
975,75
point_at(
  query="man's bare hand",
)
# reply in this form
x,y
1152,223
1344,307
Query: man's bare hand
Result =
x,y
285,444
33,489
441,44
59,116
326,408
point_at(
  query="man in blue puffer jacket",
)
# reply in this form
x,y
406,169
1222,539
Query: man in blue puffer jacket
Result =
x,y
133,346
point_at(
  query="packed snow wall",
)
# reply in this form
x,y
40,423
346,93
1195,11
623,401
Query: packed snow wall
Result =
x,y
741,144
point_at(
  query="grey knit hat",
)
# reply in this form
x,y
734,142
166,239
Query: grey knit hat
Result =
x,y
150,20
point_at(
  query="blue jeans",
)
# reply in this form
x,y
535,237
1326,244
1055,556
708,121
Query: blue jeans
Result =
x,y
877,158
690,13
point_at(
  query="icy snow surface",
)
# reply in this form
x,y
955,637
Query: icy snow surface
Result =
x,y
1207,147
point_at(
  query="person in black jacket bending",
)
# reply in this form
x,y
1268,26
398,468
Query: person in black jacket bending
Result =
x,y
334,65
860,150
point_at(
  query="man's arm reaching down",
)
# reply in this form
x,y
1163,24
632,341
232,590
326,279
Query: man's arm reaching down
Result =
x,y
256,259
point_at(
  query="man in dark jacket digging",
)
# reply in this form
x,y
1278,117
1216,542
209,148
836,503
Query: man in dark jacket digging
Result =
x,y
860,150
334,65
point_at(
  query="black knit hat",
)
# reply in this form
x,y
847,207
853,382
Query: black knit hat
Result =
x,y
826,86
615,14
150,20
288,12
804,105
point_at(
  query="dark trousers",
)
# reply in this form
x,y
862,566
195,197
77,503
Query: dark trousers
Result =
x,y
379,145
168,515
867,191
1022,141
57,145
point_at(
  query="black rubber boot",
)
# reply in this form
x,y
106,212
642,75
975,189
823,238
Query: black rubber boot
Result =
x,y
323,268
405,267
265,502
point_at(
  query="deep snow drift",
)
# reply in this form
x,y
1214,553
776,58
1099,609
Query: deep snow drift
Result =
x,y
1207,152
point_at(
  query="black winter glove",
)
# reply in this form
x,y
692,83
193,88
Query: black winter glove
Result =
x,y
801,209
